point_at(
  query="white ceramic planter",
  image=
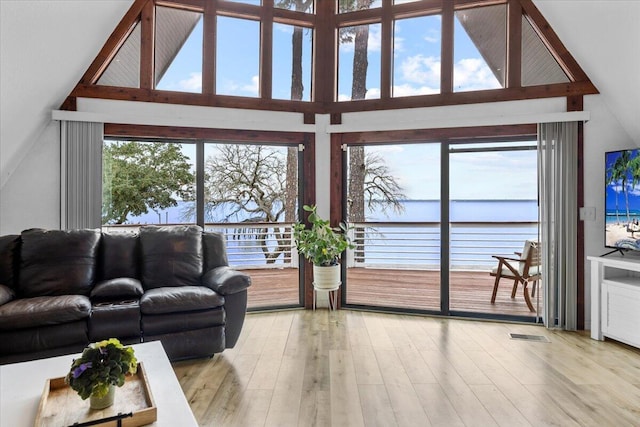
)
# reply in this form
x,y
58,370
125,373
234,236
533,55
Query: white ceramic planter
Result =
x,y
326,277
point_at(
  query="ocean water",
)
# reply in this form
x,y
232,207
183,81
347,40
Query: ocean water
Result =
x,y
612,217
414,211
472,245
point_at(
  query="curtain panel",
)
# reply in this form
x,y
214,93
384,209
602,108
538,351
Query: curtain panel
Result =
x,y
558,182
81,174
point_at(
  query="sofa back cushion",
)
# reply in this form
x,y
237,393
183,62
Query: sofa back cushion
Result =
x,y
9,247
57,262
215,251
171,255
119,256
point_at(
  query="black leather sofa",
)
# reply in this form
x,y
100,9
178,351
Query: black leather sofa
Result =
x,y
61,290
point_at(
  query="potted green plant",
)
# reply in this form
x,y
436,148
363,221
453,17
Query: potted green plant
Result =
x,y
102,366
322,245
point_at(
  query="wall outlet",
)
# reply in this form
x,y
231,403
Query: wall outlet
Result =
x,y
588,213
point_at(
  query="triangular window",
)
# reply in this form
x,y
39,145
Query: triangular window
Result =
x,y
539,67
124,68
178,50
480,48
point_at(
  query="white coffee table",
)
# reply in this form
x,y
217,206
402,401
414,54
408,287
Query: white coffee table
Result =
x,y
21,386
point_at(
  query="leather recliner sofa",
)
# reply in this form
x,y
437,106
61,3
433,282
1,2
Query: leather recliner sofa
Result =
x,y
61,290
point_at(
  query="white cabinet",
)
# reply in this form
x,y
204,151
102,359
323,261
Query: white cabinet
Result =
x,y
615,298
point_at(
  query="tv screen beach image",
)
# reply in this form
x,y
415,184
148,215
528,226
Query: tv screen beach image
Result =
x,y
622,199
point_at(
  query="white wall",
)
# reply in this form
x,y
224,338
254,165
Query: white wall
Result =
x,y
47,45
45,48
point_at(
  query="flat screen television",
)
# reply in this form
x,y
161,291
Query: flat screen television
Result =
x,y
622,199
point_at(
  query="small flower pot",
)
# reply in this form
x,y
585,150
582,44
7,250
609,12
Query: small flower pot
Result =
x,y
326,277
105,401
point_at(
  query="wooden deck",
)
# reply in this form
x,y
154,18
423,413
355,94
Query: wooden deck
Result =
x,y
413,289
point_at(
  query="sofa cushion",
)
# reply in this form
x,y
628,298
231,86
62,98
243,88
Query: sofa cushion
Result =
x,y
43,341
119,256
171,256
179,299
119,319
215,250
57,262
41,311
8,258
158,324
120,288
6,294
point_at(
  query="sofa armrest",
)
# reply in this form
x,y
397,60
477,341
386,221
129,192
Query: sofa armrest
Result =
x,y
6,294
225,280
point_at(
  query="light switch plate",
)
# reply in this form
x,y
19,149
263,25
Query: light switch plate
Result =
x,y
588,213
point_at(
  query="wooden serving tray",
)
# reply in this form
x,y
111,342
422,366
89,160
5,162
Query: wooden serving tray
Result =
x,y
61,406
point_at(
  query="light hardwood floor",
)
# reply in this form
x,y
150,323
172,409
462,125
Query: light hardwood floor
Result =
x,y
351,368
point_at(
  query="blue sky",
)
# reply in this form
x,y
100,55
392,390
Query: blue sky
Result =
x,y
416,70
493,175
416,60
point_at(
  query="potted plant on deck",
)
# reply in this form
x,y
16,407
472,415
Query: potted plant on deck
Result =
x,y
322,245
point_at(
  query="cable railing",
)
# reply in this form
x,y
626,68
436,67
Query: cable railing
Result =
x,y
401,245
249,245
417,245
258,245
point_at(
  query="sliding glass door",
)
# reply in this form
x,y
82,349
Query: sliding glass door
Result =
x,y
493,212
429,219
393,207
247,192
251,196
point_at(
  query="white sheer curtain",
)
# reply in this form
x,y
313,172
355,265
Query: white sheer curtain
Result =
x,y
558,180
81,174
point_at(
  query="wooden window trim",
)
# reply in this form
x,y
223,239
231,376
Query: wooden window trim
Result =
x,y
118,130
325,23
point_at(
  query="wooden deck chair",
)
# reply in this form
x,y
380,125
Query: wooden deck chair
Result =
x,y
525,269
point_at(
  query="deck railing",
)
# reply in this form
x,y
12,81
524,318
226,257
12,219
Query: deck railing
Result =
x,y
249,245
414,245
418,244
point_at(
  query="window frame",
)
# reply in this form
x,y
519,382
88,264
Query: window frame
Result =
x,y
325,23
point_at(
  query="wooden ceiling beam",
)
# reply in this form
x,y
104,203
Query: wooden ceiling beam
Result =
x,y
562,55
147,44
114,42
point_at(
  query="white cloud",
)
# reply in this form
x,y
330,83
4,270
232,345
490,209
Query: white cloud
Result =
x,y
375,38
283,28
252,88
398,44
421,69
432,39
433,36
373,93
473,74
408,90
192,84
231,87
